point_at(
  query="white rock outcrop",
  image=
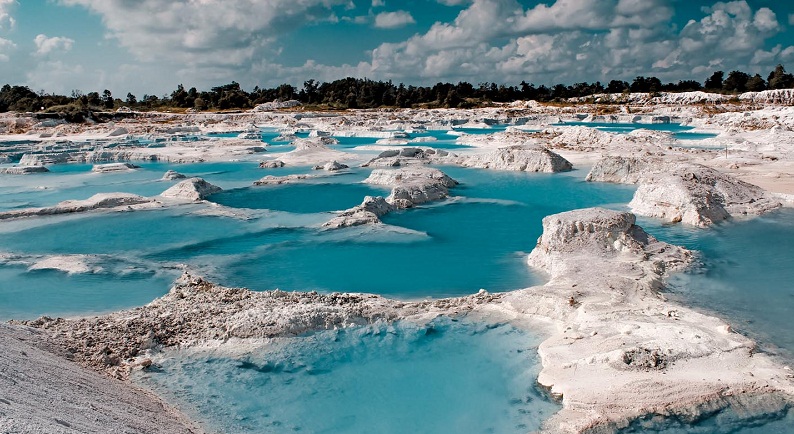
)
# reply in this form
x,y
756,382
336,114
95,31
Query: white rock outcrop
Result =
x,y
172,175
369,212
411,156
24,170
683,192
113,167
43,391
192,189
626,170
279,180
413,185
331,166
522,158
597,231
660,358
118,132
271,164
42,159
100,201
699,196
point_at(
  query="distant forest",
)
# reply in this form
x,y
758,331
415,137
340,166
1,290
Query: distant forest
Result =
x,y
352,93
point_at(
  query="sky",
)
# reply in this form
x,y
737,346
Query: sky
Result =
x,y
151,46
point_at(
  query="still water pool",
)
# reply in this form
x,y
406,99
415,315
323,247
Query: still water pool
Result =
x,y
439,377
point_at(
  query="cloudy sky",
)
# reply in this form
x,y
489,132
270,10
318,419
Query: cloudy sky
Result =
x,y
150,46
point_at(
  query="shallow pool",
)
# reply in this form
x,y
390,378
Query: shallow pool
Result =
x,y
439,377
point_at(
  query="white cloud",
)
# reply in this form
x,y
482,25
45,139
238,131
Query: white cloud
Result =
x,y
58,76
787,55
765,57
454,2
46,45
378,3
765,20
494,40
6,47
204,33
393,20
576,40
7,21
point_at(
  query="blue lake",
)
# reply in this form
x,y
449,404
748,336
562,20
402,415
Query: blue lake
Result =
x,y
77,181
28,294
478,239
444,376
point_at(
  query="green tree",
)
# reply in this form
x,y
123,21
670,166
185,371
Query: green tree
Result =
x,y
779,79
756,83
715,81
107,99
736,82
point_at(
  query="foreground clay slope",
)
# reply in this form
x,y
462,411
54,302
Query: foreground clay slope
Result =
x,y
43,392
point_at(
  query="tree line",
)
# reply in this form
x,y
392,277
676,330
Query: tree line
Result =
x,y
352,93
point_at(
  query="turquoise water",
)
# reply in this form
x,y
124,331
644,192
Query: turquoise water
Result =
x,y
402,378
76,181
30,294
747,275
479,239
299,198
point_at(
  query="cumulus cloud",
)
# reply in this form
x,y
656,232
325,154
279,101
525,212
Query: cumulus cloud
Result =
x,y
495,40
46,45
454,2
205,32
7,21
61,77
393,20
6,47
575,40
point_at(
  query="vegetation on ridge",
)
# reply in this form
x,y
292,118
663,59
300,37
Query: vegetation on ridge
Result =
x,y
364,93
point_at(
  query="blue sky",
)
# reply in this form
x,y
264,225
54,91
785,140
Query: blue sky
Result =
x,y
150,46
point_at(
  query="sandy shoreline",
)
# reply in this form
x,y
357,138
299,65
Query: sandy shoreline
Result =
x,y
610,326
